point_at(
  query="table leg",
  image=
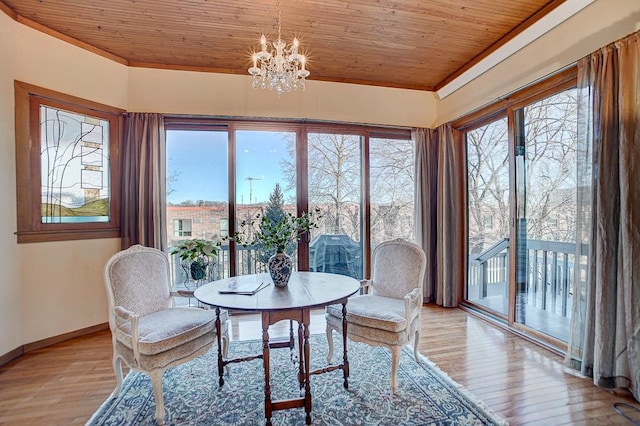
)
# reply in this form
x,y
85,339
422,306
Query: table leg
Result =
x,y
301,360
345,358
265,361
292,341
307,384
220,362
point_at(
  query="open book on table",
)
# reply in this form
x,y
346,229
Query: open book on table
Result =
x,y
246,288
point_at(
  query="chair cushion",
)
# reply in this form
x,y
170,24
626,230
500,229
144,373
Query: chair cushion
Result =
x,y
168,328
373,311
373,336
169,358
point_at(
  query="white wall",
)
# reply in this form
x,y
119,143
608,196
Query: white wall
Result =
x,y
182,92
10,288
51,288
595,26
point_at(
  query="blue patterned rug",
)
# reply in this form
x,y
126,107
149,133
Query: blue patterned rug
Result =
x,y
425,396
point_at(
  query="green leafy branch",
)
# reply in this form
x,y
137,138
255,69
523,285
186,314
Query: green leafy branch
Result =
x,y
278,235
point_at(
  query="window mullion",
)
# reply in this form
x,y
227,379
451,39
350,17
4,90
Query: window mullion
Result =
x,y
366,205
302,196
231,190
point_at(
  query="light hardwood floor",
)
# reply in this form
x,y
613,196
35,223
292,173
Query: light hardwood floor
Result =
x,y
65,383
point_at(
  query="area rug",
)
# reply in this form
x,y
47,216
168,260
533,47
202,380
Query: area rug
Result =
x,y
425,396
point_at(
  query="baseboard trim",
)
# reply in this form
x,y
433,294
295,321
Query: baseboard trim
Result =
x,y
19,351
11,355
62,337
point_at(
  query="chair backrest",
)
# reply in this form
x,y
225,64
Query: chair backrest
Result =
x,y
398,267
138,280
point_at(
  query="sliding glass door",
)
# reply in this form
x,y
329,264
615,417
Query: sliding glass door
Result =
x,y
521,195
488,215
545,157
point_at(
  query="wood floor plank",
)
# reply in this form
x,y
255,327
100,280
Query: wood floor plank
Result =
x,y
528,385
519,380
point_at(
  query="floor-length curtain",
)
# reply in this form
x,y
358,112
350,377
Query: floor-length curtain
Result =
x,y
144,181
605,330
426,173
451,212
440,216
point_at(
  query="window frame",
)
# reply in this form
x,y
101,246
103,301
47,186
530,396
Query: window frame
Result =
x,y
30,228
301,128
507,106
179,228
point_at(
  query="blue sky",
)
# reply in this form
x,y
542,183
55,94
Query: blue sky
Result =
x,y
200,160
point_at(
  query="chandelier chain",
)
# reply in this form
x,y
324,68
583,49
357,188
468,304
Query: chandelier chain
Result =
x,y
279,22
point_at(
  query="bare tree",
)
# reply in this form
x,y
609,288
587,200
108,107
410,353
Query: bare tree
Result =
x,y
550,166
488,184
173,175
334,180
335,184
392,188
545,165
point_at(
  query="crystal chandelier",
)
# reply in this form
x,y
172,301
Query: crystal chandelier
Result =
x,y
278,65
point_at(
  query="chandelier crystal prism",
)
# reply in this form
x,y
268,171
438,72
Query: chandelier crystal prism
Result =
x,y
278,66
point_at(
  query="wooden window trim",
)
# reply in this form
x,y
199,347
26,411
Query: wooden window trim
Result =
x,y
185,122
30,227
556,83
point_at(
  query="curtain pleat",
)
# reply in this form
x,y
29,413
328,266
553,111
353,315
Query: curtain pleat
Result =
x,y
451,208
426,173
440,212
629,106
605,330
144,181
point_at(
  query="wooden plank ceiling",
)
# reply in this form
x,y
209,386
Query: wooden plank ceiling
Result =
x,y
416,44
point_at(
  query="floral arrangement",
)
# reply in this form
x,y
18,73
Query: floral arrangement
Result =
x,y
276,235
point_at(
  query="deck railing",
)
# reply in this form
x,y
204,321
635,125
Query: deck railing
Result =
x,y
489,267
547,272
249,263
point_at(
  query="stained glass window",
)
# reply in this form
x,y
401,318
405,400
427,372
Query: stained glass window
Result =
x,y
67,166
74,157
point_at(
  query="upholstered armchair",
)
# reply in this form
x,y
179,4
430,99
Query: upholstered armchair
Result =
x,y
149,333
388,313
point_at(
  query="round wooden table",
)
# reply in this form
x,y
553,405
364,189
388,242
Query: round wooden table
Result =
x,y
305,291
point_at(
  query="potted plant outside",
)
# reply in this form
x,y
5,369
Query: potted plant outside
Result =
x,y
277,235
196,256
